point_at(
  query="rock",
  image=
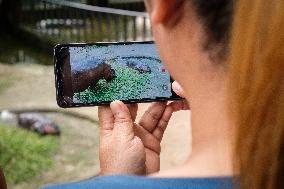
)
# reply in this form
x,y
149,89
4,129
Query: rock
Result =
x,y
8,118
38,123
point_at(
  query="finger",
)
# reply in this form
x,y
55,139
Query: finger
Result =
x,y
152,116
163,123
179,105
178,89
106,118
149,141
152,162
133,108
123,124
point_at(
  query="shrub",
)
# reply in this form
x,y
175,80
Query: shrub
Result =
x,y
24,154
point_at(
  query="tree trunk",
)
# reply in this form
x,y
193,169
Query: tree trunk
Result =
x,y
3,184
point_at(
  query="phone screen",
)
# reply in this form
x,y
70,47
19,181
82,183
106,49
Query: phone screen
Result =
x,y
95,74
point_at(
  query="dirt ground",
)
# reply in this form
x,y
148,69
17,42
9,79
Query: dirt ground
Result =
x,y
32,86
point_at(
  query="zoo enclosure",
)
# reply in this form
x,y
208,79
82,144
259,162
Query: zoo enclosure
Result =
x,y
60,21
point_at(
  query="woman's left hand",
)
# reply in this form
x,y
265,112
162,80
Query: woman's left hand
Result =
x,y
127,147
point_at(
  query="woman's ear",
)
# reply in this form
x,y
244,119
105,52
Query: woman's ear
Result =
x,y
161,11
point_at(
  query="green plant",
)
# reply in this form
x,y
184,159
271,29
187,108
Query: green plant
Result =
x,y
24,154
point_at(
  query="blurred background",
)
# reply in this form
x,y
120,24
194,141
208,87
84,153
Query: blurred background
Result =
x,y
40,143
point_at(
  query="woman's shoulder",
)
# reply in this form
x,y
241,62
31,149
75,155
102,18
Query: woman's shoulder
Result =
x,y
139,182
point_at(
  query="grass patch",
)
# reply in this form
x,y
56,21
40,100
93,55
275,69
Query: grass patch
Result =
x,y
24,154
128,84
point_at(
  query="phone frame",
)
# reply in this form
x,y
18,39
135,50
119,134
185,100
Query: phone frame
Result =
x,y
59,75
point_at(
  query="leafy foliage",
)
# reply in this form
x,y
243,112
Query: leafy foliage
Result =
x,y
24,154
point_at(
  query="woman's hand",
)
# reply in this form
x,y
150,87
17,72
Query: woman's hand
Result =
x,y
127,147
130,148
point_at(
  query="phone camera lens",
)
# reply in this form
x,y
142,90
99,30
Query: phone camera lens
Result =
x,y
165,87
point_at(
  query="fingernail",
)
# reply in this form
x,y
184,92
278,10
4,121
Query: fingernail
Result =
x,y
116,107
176,86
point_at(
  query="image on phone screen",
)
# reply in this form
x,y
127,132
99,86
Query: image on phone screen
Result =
x,y
101,73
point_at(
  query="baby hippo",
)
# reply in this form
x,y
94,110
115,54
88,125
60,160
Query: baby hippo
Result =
x,y
83,79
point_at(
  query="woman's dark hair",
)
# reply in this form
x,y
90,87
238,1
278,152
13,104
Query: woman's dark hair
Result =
x,y
217,18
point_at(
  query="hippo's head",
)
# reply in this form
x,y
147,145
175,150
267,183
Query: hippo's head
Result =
x,y
109,73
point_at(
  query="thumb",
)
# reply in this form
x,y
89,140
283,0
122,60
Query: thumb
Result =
x,y
178,89
123,124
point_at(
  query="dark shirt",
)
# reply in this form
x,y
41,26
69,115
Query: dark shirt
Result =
x,y
137,182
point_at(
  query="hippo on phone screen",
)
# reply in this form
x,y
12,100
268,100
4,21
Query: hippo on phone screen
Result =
x,y
81,80
140,68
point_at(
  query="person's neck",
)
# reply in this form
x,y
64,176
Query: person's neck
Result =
x,y
212,137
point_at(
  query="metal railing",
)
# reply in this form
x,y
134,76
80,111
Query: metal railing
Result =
x,y
64,22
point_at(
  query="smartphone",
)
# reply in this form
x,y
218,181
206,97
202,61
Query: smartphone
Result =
x,y
99,73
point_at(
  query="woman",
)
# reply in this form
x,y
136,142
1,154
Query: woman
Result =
x,y
240,97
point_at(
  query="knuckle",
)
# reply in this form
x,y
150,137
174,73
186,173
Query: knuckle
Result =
x,y
159,133
123,120
154,116
161,130
106,122
163,122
